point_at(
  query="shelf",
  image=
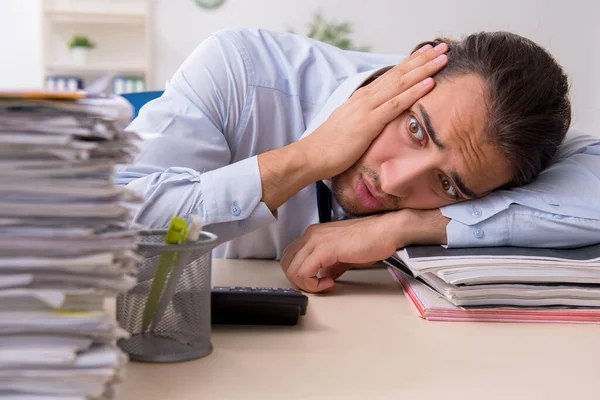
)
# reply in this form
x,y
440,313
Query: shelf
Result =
x,y
95,69
93,17
120,28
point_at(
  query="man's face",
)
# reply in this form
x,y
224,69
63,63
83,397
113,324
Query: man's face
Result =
x,y
432,155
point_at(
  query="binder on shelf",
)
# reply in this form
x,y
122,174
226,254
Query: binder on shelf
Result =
x,y
123,85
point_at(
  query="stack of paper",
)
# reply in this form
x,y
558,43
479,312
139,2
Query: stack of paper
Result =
x,y
65,244
501,283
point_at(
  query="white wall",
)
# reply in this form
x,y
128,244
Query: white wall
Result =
x,y
570,30
20,44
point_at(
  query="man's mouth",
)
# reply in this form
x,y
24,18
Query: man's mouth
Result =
x,y
367,195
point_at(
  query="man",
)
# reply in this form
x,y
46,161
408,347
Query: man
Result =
x,y
253,119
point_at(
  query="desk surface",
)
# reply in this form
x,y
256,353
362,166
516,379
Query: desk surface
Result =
x,y
366,342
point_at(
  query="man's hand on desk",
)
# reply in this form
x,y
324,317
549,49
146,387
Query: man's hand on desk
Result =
x,y
326,251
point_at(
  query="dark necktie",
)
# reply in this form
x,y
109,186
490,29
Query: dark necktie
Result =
x,y
324,201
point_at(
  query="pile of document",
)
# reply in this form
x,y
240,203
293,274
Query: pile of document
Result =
x,y
65,244
501,283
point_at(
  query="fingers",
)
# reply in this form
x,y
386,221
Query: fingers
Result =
x,y
308,275
423,58
288,255
407,74
301,264
421,82
424,71
414,55
303,270
315,253
397,105
294,262
400,87
417,53
290,262
335,271
316,261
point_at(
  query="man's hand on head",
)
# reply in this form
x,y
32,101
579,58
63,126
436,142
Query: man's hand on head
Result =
x,y
347,134
326,251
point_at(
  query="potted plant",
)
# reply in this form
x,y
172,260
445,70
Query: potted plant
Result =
x,y
80,45
334,33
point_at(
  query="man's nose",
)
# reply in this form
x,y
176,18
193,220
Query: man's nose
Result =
x,y
401,176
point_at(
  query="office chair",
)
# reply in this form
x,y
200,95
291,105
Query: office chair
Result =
x,y
138,99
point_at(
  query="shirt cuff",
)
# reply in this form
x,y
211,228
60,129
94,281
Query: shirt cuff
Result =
x,y
490,233
234,193
476,211
478,223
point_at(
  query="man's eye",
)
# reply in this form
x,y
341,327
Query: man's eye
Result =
x,y
448,187
415,129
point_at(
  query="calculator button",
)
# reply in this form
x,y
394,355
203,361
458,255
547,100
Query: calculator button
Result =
x,y
264,289
287,290
221,289
243,289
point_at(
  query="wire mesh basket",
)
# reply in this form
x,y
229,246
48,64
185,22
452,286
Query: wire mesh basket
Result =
x,y
167,313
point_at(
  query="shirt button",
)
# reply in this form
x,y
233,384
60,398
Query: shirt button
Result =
x,y
476,212
477,233
243,224
235,210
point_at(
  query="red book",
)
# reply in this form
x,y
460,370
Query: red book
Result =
x,y
432,306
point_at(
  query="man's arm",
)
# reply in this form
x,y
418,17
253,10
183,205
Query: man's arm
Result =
x,y
561,208
325,251
187,168
206,106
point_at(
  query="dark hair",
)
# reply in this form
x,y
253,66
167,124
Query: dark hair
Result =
x,y
527,97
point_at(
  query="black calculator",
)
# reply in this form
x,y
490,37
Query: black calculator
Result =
x,y
242,305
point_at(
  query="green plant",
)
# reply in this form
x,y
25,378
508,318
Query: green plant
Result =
x,y
81,41
334,33
210,3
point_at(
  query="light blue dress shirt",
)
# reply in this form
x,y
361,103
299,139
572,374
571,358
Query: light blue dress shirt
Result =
x,y
243,92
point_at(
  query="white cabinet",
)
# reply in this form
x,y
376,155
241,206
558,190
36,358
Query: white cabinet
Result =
x,y
120,30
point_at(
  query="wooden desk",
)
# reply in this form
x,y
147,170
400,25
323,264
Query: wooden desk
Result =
x,y
365,342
